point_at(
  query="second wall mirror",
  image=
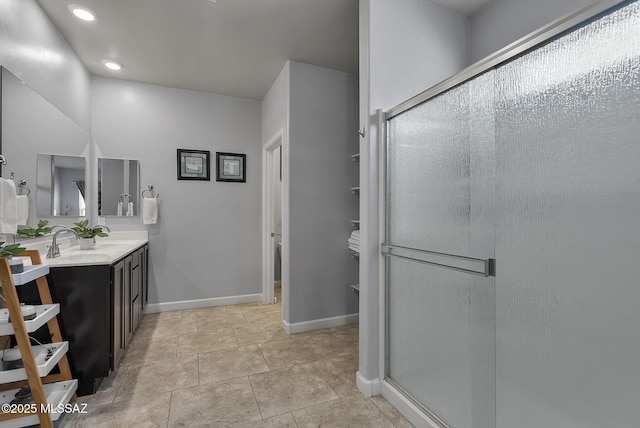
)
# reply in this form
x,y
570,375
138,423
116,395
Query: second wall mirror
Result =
x,y
118,187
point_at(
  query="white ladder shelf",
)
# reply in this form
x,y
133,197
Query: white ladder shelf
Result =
x,y
48,390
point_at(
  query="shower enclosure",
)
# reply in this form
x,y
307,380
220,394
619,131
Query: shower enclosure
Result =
x,y
512,237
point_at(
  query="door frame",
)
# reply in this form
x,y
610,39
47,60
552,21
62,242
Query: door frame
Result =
x,y
268,250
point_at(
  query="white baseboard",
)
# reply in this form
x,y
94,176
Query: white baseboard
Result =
x,y
409,410
369,388
301,327
200,303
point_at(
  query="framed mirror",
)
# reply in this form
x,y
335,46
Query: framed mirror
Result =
x,y
118,187
60,185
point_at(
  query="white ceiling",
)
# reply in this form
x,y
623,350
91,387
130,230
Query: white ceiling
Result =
x,y
228,47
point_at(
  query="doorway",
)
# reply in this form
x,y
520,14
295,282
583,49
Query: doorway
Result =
x,y
274,215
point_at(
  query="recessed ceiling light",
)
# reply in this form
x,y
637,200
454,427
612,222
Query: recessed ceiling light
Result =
x,y
112,65
82,12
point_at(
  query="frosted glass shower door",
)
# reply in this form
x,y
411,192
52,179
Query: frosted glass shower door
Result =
x,y
440,198
568,241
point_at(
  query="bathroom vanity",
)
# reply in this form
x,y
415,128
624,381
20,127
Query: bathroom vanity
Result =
x,y
102,294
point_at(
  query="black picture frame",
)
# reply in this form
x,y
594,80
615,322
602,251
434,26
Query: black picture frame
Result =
x,y
194,165
231,167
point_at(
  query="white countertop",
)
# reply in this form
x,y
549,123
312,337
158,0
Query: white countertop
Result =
x,y
106,251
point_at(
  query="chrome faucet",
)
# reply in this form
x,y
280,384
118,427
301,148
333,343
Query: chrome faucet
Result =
x,y
54,250
12,235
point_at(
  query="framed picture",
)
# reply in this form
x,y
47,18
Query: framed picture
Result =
x,y
194,165
231,167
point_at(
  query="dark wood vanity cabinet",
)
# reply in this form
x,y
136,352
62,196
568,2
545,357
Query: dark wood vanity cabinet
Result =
x,y
129,277
100,308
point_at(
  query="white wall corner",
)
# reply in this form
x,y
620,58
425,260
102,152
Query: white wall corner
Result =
x,y
302,327
369,388
286,327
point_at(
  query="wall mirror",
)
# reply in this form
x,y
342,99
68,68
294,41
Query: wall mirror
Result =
x,y
118,187
60,186
30,126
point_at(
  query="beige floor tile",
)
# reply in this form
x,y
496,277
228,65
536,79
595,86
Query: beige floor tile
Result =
x,y
167,327
216,366
147,412
206,341
340,373
286,353
281,421
250,334
221,404
156,377
205,312
221,320
262,308
106,392
151,318
337,341
150,348
282,391
348,412
391,412
262,317
230,363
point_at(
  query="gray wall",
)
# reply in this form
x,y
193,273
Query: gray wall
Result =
x,y
32,48
322,137
406,46
505,21
206,243
275,106
317,108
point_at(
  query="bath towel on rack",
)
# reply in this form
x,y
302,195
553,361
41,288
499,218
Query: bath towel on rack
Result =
x,y
149,210
8,207
22,205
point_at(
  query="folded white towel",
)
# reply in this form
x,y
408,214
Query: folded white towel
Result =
x,y
8,207
119,212
149,210
22,203
130,209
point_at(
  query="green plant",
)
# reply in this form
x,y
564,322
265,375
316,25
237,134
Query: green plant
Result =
x,y
30,232
83,230
8,251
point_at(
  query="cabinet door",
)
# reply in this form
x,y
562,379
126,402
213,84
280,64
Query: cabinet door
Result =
x,y
117,282
135,276
126,301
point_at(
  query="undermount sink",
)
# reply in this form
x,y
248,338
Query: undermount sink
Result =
x,y
91,255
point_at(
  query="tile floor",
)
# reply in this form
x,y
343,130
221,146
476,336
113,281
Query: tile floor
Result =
x,y
233,366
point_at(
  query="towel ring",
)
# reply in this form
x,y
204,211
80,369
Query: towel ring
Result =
x,y
23,185
150,190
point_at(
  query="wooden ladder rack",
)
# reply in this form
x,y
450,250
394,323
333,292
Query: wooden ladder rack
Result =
x,y
34,381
